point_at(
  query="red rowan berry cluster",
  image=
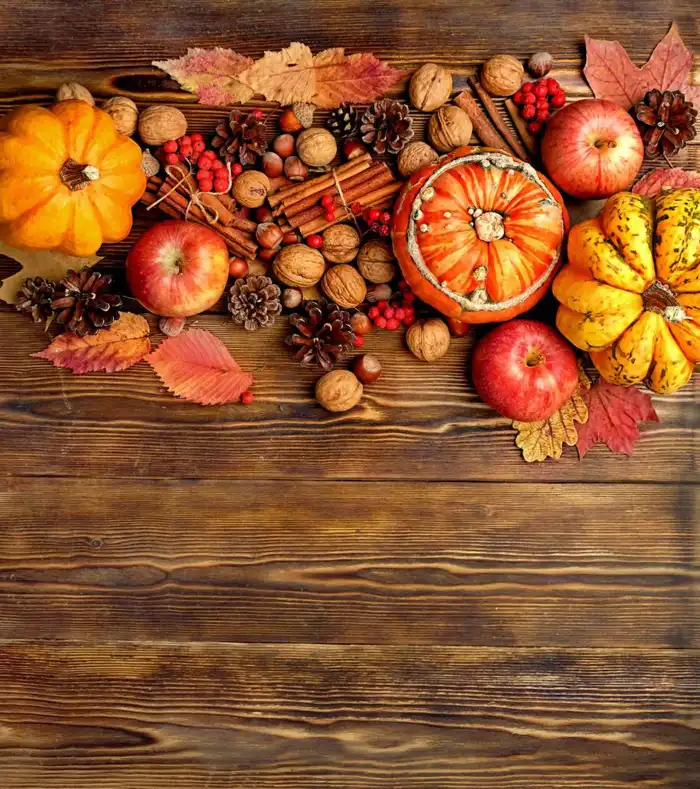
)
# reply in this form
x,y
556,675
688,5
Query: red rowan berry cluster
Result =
x,y
208,169
398,311
536,101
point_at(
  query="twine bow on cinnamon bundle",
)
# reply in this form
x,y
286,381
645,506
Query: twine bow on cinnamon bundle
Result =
x,y
185,179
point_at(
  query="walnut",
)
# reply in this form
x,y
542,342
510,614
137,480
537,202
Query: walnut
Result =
x,y
540,64
124,113
316,147
428,340
344,286
414,156
339,390
340,244
298,265
250,188
160,123
501,75
72,90
449,128
430,87
376,261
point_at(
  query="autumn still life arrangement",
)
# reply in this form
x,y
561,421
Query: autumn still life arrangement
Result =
x,y
328,212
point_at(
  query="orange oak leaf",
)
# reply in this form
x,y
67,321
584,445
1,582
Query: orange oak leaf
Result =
x,y
613,415
354,79
197,366
212,74
120,346
287,76
666,178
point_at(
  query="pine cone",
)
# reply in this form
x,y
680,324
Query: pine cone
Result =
x,y
241,136
34,298
321,334
666,122
343,122
387,126
254,301
83,303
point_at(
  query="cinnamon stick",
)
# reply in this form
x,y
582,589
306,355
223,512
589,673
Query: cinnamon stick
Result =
x,y
521,127
209,200
483,128
374,199
498,121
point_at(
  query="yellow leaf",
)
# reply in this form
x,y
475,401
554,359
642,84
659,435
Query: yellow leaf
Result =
x,y
38,263
286,76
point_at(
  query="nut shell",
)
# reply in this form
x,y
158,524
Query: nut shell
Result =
x,y
430,87
73,90
160,123
540,64
341,244
316,147
367,368
299,266
502,75
339,390
344,285
376,261
428,340
414,156
250,188
291,298
124,113
449,128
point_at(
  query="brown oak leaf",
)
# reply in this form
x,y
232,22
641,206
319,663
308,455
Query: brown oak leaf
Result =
x,y
666,178
287,76
212,74
197,366
613,416
120,346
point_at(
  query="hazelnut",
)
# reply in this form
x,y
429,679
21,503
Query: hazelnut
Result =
x,y
449,128
360,323
344,285
268,235
295,169
237,268
540,64
250,188
299,265
291,298
124,113
284,145
266,254
376,261
272,164
289,122
430,87
414,156
458,328
367,368
171,327
72,90
428,340
378,293
340,244
338,390
502,75
264,214
160,123
352,147
290,238
316,147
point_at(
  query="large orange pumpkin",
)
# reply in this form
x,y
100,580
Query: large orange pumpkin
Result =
x,y
478,235
67,178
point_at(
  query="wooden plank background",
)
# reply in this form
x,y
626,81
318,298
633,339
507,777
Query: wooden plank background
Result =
x,y
277,596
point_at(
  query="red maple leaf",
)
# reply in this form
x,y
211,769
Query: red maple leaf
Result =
x,y
613,416
197,366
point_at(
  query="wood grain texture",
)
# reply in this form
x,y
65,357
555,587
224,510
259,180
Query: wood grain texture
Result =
x,y
485,564
127,716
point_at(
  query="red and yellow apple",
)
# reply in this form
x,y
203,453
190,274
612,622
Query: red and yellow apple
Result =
x,y
177,269
525,370
592,149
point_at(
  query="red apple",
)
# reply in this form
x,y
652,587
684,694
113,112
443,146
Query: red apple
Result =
x,y
525,370
592,149
177,269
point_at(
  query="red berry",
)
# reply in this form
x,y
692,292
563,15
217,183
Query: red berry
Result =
x,y
373,312
527,87
170,146
185,140
172,158
202,174
217,164
196,137
359,341
356,208
205,164
393,324
194,158
221,184
185,150
384,230
257,114
542,104
540,91
409,297
206,186
518,97
198,146
403,285
327,202
530,98
558,100
383,304
389,312
409,320
542,115
410,313
400,313
208,153
329,216
315,241
374,214
380,322
534,127
528,112
553,86
247,397
385,218
236,169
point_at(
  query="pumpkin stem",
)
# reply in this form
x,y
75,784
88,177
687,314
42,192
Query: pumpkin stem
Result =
x,y
661,299
77,176
489,226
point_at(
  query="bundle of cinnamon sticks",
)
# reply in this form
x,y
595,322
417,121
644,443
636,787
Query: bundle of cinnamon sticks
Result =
x,y
360,181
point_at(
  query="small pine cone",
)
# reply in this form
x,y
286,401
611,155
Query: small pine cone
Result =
x,y
240,137
343,122
321,334
666,122
387,126
83,302
254,302
34,298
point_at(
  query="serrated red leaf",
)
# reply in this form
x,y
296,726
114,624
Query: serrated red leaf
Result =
x,y
670,62
120,346
614,413
666,178
197,366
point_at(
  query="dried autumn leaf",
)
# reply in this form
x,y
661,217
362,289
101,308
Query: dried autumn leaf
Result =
x,y
38,263
212,74
197,366
287,76
120,346
672,178
670,63
353,79
611,74
613,416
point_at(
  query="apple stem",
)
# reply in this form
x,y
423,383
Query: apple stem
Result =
x,y
534,358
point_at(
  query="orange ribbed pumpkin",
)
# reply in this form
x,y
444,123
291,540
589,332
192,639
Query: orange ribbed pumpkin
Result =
x,y
478,235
